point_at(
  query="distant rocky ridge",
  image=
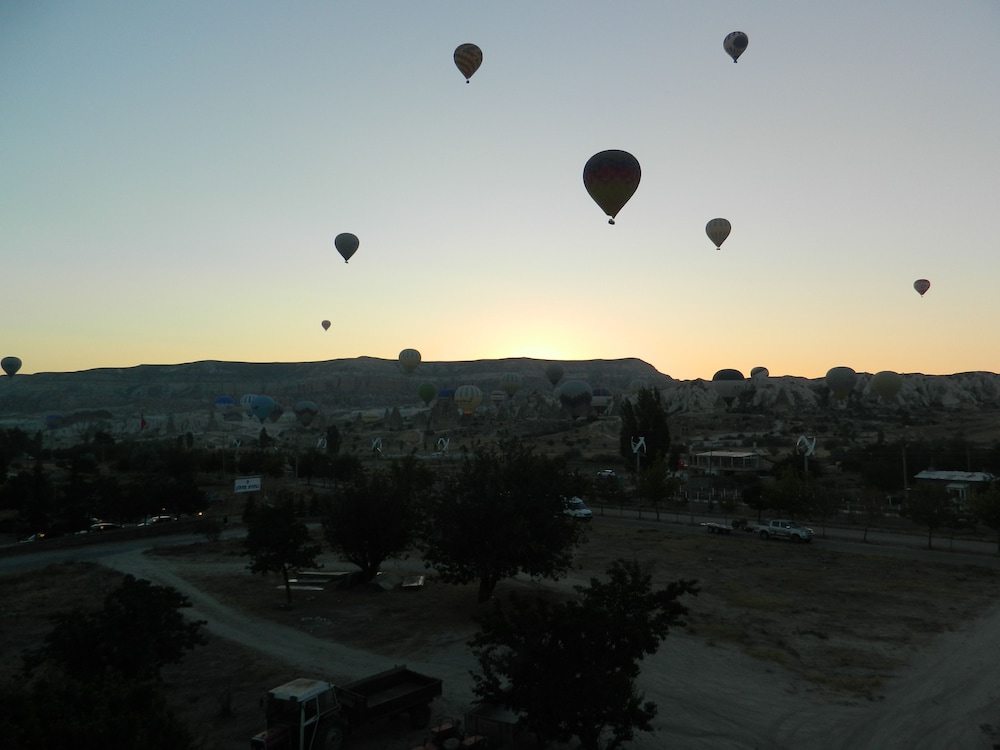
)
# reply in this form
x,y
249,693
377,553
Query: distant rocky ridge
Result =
x,y
372,383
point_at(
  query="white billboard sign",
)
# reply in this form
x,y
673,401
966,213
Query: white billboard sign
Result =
x,y
247,484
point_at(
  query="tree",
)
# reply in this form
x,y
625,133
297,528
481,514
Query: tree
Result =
x,y
500,515
276,542
138,630
646,418
655,483
930,507
985,506
106,711
570,668
376,517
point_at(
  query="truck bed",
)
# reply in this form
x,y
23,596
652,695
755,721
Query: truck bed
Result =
x,y
388,693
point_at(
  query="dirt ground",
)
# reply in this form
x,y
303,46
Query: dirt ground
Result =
x,y
836,627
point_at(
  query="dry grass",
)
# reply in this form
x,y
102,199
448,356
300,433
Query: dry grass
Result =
x,y
840,622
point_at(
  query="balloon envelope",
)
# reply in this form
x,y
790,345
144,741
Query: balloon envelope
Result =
x,y
554,373
611,177
759,372
347,244
408,360
468,58
717,231
225,404
840,381
305,412
601,399
922,285
427,392
261,407
735,44
887,384
10,365
326,325
727,384
509,383
575,397
468,398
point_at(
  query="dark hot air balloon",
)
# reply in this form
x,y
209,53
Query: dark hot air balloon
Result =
x,y
427,392
735,44
408,360
347,244
326,325
468,58
611,178
840,381
922,285
717,231
10,365
554,373
886,384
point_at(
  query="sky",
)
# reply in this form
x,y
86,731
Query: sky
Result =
x,y
173,175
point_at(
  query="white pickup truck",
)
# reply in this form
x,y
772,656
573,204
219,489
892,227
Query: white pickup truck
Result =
x,y
783,529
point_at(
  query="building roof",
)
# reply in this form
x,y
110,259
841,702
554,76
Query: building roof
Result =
x,y
956,476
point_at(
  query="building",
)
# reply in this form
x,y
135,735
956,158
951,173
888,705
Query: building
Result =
x,y
958,484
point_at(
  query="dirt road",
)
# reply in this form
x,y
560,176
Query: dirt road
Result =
x,y
709,697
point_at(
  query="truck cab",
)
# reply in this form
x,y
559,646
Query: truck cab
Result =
x,y
784,528
303,714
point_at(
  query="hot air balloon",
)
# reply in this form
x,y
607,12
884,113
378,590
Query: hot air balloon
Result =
x,y
840,381
922,285
276,412
224,404
727,384
427,392
10,365
346,244
326,325
246,400
468,58
554,373
760,373
408,360
575,397
886,384
261,407
717,231
305,412
468,398
637,385
611,178
735,44
601,399
509,383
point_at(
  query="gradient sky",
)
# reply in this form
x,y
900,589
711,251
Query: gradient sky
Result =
x,y
173,174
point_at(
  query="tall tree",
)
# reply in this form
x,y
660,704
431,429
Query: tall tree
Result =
x,y
500,515
645,418
376,517
139,629
570,668
276,542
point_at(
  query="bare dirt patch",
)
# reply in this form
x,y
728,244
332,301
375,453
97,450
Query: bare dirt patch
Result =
x,y
840,624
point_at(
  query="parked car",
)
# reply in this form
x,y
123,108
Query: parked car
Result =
x,y
103,526
36,537
157,519
606,474
576,508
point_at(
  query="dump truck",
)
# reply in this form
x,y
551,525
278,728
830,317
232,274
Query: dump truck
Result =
x,y
310,714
